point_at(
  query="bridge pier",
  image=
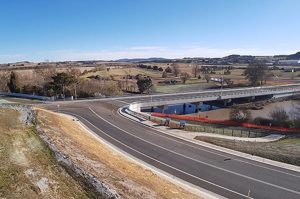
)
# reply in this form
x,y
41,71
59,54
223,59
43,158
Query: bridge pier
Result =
x,y
184,108
226,102
198,105
152,109
163,108
252,98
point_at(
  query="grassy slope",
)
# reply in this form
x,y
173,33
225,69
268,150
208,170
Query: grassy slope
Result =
x,y
28,169
129,179
285,150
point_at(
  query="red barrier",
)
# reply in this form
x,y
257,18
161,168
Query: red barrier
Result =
x,y
225,122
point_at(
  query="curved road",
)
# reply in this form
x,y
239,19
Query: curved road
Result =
x,y
226,175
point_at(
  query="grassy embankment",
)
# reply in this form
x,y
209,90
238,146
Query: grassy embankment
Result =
x,y
129,179
285,150
28,168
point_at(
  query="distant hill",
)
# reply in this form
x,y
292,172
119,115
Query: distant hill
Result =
x,y
294,56
152,59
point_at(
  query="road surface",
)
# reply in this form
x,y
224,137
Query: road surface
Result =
x,y
226,175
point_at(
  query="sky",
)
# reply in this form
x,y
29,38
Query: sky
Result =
x,y
59,30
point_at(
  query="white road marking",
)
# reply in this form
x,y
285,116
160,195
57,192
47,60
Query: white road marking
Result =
x,y
232,191
121,101
222,169
215,153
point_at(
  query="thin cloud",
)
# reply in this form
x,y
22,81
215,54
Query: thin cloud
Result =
x,y
147,48
137,52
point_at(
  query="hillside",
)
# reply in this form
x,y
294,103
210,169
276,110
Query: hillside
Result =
x,y
294,56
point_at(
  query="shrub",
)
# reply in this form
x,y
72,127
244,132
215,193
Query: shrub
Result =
x,y
240,115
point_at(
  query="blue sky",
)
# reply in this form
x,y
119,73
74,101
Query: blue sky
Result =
x,y
38,30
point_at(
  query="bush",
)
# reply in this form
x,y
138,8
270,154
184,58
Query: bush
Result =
x,y
279,116
240,115
262,121
155,68
164,74
168,70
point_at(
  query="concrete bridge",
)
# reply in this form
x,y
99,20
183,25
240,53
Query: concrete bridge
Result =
x,y
225,95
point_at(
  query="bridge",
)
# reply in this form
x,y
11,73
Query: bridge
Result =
x,y
220,173
225,95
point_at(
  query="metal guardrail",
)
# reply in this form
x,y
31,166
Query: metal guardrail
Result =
x,y
27,96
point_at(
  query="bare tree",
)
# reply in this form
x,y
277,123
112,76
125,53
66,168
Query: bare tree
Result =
x,y
75,73
256,74
207,78
195,70
4,78
278,115
175,69
184,77
164,74
42,76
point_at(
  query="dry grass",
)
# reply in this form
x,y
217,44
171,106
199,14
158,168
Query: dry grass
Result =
x,y
28,169
285,150
120,72
129,179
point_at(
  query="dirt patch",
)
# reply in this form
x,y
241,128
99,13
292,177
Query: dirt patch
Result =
x,y
285,150
127,178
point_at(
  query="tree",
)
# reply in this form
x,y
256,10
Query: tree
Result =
x,y
149,67
164,74
175,69
13,84
207,78
184,77
76,73
168,70
144,84
279,116
195,70
4,78
43,76
227,72
256,74
155,68
60,81
240,115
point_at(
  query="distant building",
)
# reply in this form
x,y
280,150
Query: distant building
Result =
x,y
289,62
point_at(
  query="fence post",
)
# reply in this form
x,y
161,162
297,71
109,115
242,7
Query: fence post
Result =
x,y
232,132
241,133
223,131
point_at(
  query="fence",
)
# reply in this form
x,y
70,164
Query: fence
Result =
x,y
226,122
210,129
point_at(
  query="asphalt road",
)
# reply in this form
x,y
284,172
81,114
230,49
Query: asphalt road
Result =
x,y
224,174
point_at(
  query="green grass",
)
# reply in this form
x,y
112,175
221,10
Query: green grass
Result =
x,y
189,86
